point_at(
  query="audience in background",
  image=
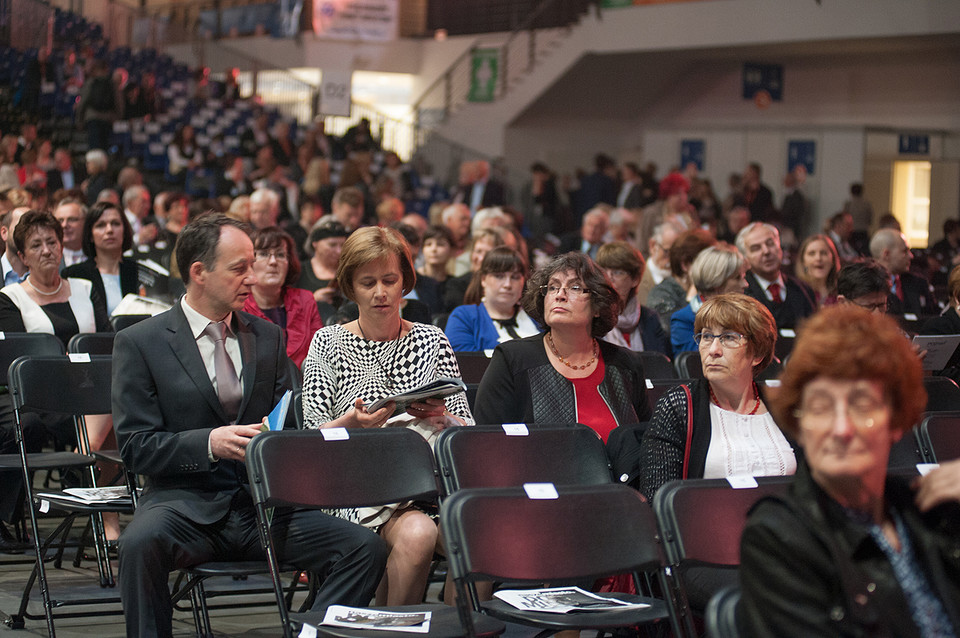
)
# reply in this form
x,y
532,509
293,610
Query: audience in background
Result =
x,y
818,265
910,293
788,299
676,290
638,327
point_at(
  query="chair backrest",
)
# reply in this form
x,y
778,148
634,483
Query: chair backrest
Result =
x,y
657,365
943,394
65,385
119,322
721,614
92,342
472,366
687,365
14,345
702,519
940,438
585,532
486,456
366,467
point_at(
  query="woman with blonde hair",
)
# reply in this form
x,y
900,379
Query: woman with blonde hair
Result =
x,y
818,265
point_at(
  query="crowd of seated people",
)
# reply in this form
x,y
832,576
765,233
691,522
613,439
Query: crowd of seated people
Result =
x,y
564,289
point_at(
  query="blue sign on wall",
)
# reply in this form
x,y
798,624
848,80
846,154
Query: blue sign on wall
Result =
x,y
692,151
802,152
914,144
763,77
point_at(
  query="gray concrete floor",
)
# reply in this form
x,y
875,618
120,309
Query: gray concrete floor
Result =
x,y
254,615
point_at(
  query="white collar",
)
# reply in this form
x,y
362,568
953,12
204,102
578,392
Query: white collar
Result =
x,y
197,322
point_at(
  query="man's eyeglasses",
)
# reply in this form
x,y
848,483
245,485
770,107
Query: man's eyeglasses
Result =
x,y
727,339
872,307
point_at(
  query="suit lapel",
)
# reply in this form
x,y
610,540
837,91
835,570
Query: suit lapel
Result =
x,y
184,346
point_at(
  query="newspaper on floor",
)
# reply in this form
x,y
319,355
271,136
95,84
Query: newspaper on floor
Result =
x,y
371,619
562,600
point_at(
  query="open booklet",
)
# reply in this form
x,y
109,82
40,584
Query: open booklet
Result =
x,y
562,600
439,389
941,350
417,622
90,495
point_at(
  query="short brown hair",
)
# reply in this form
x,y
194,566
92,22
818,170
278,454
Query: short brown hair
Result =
x,y
619,255
32,221
686,247
743,314
272,237
848,342
366,245
500,259
604,300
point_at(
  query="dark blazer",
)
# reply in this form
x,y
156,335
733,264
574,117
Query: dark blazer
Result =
x,y
522,386
55,179
634,198
129,278
495,194
798,304
164,407
807,569
917,297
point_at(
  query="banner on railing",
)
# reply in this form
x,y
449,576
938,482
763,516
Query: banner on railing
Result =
x,y
484,69
371,20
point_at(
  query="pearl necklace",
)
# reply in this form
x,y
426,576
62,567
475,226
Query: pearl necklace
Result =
x,y
40,292
553,348
756,395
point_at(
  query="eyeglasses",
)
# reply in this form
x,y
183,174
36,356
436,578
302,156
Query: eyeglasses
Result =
x,y
728,340
872,307
265,255
861,409
575,291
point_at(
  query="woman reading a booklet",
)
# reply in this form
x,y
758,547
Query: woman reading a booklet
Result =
x,y
352,365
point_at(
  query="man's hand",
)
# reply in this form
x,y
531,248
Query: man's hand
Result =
x,y
230,441
939,486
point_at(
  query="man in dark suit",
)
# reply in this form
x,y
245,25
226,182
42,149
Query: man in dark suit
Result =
x,y
909,293
758,197
64,174
184,417
599,187
481,190
789,300
590,236
631,189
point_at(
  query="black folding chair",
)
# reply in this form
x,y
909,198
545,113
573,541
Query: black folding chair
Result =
x,y
75,388
119,322
721,614
700,522
940,438
487,456
583,533
92,343
943,395
657,365
304,469
687,365
656,388
472,366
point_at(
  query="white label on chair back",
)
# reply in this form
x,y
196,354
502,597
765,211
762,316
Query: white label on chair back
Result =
x,y
44,506
79,357
335,434
742,482
515,429
772,383
909,316
540,491
488,352
2,336
649,384
308,631
926,468
787,332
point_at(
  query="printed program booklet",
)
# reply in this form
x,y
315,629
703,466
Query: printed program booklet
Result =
x,y
90,495
562,600
375,620
439,389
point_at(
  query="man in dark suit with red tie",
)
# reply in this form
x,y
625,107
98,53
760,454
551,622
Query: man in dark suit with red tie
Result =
x,y
909,293
789,300
190,389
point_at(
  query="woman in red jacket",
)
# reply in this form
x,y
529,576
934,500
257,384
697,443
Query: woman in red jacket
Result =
x,y
275,299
